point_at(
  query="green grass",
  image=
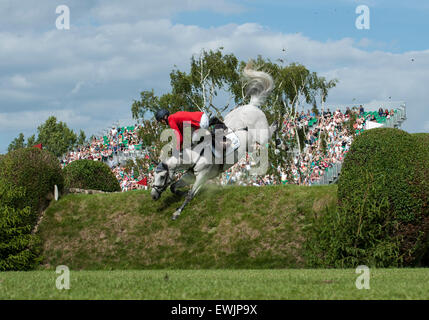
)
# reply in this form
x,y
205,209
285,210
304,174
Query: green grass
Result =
x,y
218,284
222,228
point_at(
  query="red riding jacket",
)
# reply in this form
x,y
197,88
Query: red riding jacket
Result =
x,y
176,120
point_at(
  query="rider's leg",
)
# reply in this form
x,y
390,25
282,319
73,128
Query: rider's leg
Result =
x,y
214,121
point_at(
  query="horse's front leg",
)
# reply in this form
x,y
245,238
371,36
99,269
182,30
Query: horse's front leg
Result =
x,y
191,194
187,179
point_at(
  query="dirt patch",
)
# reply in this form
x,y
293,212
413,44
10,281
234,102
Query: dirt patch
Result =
x,y
164,237
228,233
58,216
320,204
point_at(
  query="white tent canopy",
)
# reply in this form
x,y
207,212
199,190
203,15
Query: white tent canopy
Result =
x,y
372,125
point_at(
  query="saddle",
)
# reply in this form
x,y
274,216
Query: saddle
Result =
x,y
225,140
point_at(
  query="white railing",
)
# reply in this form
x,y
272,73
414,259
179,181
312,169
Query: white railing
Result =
x,y
120,157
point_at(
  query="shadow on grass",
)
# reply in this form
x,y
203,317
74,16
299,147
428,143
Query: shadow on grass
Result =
x,y
169,201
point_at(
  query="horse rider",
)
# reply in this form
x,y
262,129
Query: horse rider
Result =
x,y
197,120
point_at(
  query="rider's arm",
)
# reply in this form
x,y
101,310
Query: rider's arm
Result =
x,y
173,125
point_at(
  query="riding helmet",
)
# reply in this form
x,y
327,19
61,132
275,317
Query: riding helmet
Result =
x,y
161,113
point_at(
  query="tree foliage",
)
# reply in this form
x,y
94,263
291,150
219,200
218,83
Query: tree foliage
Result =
x,y
81,140
17,143
56,136
19,249
211,73
150,134
31,141
383,199
38,171
89,174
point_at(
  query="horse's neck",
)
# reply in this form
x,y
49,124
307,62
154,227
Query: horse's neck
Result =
x,y
173,165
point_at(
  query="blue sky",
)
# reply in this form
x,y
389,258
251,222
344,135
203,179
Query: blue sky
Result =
x,y
397,26
88,76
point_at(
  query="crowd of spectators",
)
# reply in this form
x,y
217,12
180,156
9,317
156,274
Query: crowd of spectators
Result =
x,y
117,140
129,180
103,148
327,139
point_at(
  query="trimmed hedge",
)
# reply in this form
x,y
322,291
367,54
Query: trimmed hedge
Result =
x,y
19,249
89,174
383,204
38,171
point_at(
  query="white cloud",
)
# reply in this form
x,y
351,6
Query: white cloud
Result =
x,y
29,120
19,81
77,87
30,15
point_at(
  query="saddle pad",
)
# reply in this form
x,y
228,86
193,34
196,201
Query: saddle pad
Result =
x,y
235,144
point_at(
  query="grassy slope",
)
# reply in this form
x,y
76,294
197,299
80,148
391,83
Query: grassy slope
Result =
x,y
230,227
218,284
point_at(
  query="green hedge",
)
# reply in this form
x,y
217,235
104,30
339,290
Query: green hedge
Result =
x,y
382,217
89,174
19,249
38,171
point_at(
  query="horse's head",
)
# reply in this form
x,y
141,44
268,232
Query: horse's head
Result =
x,y
161,180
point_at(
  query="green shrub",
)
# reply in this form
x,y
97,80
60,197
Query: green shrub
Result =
x,y
19,249
88,174
382,217
38,171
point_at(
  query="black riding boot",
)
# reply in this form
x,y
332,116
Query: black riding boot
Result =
x,y
214,121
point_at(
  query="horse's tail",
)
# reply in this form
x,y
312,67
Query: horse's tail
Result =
x,y
259,85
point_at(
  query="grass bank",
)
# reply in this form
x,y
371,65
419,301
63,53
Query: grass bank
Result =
x,y
222,228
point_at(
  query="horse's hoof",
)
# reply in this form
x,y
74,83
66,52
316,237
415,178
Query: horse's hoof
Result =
x,y
175,215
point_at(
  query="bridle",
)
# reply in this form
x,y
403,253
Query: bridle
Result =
x,y
162,167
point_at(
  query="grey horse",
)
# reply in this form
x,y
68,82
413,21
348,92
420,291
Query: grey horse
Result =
x,y
248,123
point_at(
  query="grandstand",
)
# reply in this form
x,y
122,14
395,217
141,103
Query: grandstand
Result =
x,y
128,153
332,174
